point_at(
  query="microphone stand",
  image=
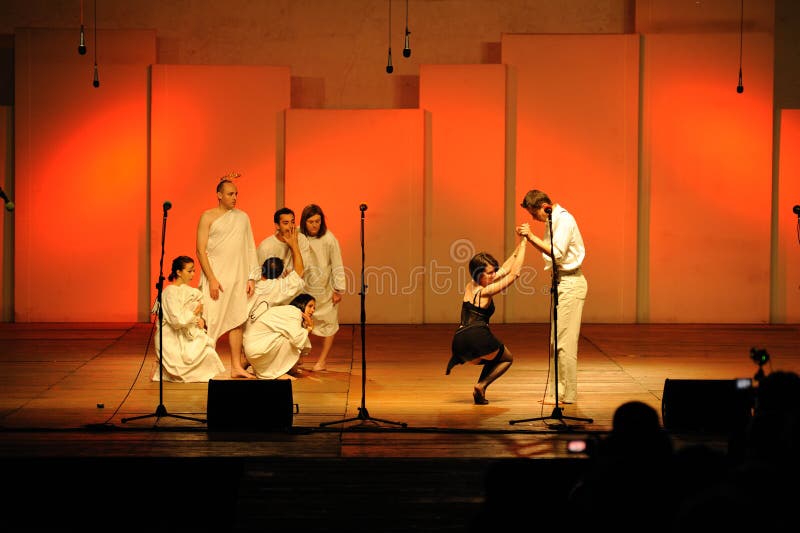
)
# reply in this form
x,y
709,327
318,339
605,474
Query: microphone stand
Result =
x,y
363,414
161,411
557,413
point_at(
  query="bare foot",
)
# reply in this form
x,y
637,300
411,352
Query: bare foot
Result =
x,y
297,372
286,376
479,396
241,373
319,368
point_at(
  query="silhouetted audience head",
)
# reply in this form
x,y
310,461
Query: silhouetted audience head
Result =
x,y
636,432
774,432
630,466
778,391
760,491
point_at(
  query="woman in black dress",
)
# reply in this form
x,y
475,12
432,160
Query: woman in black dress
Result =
x,y
474,342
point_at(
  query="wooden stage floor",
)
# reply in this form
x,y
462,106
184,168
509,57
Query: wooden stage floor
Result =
x,y
66,389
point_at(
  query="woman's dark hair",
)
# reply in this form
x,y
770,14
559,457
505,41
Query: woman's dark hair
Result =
x,y
301,301
478,264
178,264
309,211
272,268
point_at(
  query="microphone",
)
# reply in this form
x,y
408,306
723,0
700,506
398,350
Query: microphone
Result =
x,y
96,80
548,210
167,206
795,209
407,48
9,203
740,87
389,67
363,207
82,46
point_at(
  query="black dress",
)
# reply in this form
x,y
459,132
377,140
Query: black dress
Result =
x,y
473,338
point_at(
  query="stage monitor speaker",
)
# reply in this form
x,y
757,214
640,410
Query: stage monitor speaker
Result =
x,y
250,405
719,406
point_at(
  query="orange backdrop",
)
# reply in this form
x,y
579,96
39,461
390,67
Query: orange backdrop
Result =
x,y
81,177
575,103
341,159
208,121
464,179
667,169
786,296
706,159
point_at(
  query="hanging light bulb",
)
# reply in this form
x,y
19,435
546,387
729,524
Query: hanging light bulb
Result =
x,y
96,80
389,67
407,46
740,87
82,45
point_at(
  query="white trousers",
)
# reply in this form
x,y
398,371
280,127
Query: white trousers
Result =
x,y
572,289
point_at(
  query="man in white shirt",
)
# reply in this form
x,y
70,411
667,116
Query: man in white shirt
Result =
x,y
277,286
276,245
568,252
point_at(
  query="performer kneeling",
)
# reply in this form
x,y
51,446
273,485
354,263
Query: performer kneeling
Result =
x,y
474,342
274,342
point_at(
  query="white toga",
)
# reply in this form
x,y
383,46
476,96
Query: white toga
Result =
x,y
274,342
323,277
272,247
188,352
232,255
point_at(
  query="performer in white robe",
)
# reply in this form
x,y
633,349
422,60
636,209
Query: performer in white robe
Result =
x,y
231,253
276,286
226,252
276,246
188,353
325,279
274,342
273,292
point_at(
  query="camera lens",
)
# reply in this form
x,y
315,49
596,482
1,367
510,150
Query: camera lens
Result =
x,y
759,356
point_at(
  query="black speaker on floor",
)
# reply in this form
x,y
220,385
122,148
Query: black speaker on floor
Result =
x,y
719,406
250,405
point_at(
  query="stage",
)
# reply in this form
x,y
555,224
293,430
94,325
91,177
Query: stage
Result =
x,y
76,399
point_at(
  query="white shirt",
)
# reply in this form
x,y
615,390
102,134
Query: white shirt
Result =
x,y
568,248
272,247
272,292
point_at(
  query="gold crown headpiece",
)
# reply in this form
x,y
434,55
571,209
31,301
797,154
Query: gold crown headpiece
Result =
x,y
230,176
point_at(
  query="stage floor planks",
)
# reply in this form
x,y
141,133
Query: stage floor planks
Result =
x,y
454,467
76,382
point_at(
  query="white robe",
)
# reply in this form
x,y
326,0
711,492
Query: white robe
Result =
x,y
272,247
188,352
274,342
272,292
231,253
324,276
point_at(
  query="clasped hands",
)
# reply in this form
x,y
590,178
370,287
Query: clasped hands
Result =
x,y
524,230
